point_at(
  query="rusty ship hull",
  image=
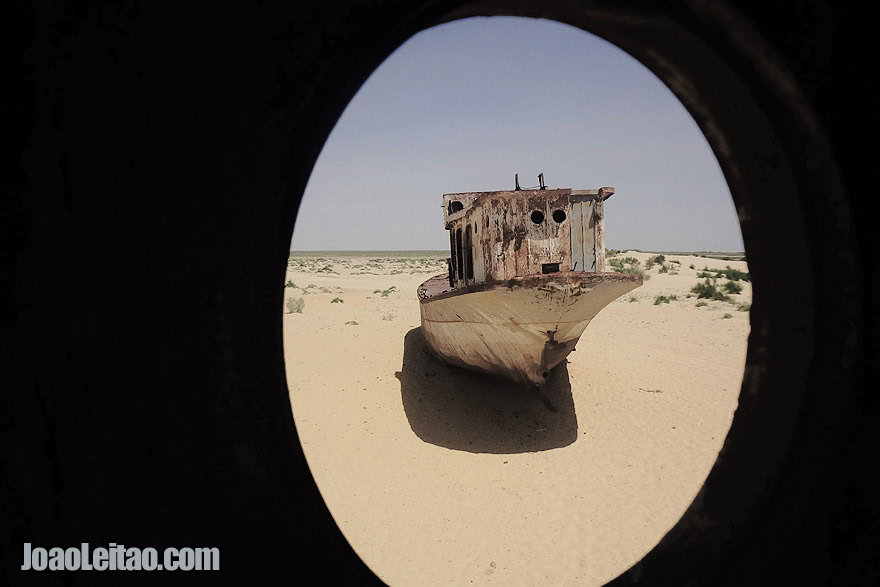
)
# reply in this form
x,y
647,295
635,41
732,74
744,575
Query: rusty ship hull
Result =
x,y
519,328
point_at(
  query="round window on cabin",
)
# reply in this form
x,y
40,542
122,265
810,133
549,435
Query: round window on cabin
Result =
x,y
559,216
537,217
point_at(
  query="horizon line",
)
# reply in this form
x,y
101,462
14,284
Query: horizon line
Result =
x,y
447,250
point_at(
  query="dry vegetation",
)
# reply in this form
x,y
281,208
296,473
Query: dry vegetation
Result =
x,y
435,459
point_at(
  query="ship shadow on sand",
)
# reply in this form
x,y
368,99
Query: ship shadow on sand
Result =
x,y
462,410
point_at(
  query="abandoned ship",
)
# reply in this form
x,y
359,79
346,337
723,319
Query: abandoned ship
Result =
x,y
526,276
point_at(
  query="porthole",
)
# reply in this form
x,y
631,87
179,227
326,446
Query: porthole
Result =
x,y
739,127
559,216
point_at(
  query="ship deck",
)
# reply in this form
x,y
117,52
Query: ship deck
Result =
x,y
438,287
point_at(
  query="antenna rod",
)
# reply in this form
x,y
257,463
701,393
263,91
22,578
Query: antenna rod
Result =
x,y
516,179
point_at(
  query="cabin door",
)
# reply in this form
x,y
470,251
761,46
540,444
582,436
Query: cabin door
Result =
x,y
583,231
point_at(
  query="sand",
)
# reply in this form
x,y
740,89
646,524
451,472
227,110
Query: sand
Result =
x,y
439,476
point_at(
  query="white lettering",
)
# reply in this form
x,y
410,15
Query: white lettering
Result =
x,y
132,559
56,559
38,558
118,560
72,559
101,556
118,557
187,555
171,558
85,558
26,562
150,559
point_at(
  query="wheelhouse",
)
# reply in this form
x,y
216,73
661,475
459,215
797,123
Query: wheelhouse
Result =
x,y
495,236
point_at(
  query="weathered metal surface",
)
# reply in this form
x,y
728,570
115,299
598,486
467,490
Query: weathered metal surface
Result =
x,y
438,287
583,240
497,310
520,328
599,234
576,234
506,242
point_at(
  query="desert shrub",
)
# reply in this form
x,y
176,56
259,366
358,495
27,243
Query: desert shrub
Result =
x,y
664,268
733,287
337,301
677,262
295,305
352,323
727,315
664,299
727,272
744,307
632,299
692,266
385,292
611,253
704,289
655,260
701,303
734,274
289,283
626,265
708,290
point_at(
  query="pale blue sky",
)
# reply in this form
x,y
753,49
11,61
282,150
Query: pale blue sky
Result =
x,y
465,105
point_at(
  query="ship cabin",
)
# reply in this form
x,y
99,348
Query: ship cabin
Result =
x,y
495,236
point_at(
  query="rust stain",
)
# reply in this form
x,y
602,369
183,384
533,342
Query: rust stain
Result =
x,y
554,353
509,239
513,322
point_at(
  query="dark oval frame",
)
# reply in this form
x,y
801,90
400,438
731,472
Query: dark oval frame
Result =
x,y
788,195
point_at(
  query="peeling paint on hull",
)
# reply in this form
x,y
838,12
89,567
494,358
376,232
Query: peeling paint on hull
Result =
x,y
519,328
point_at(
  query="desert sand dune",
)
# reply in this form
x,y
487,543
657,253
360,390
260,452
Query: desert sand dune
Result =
x,y
437,475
